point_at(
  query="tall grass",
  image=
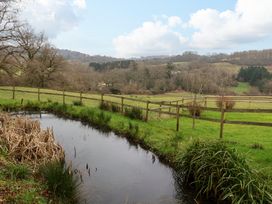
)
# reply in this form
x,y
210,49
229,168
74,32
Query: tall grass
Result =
x,y
134,113
218,172
60,181
77,103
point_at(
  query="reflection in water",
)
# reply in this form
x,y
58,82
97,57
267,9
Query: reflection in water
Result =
x,y
112,170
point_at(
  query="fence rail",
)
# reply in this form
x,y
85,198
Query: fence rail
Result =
x,y
174,108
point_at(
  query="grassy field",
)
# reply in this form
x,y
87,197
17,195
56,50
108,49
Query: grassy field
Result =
x,y
241,89
160,134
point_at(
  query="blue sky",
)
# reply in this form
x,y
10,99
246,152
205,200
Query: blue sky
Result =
x,y
134,28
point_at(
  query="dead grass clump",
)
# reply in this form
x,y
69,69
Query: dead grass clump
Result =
x,y
27,142
195,109
226,102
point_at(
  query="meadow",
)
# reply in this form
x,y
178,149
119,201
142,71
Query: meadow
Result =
x,y
159,133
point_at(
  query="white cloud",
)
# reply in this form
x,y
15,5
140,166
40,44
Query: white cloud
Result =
x,y
52,16
80,4
250,21
174,21
152,38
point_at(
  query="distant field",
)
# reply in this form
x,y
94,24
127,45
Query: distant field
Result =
x,y
231,68
241,89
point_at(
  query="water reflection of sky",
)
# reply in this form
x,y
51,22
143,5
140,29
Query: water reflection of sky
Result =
x,y
117,172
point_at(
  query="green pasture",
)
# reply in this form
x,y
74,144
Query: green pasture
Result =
x,y
160,134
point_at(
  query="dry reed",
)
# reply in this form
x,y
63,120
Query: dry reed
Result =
x,y
27,142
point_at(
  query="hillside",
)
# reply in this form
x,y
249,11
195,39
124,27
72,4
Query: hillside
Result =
x,y
247,58
85,58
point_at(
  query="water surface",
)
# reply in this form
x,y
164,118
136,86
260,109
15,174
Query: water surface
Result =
x,y
119,172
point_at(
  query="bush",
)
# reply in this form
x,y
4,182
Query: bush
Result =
x,y
134,113
77,103
109,107
115,108
31,106
105,106
219,172
195,109
227,103
61,181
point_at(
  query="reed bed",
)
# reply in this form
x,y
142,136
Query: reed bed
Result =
x,y
27,142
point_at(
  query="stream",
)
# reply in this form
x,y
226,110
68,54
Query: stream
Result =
x,y
113,170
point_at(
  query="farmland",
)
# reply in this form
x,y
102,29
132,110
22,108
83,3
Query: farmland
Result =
x,y
159,133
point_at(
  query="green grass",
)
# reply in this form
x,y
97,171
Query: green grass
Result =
x,y
159,134
18,185
61,181
217,171
242,88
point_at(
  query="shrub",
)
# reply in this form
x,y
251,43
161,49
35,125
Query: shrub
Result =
x,y
219,172
115,108
105,106
31,106
195,109
60,181
77,103
134,113
227,103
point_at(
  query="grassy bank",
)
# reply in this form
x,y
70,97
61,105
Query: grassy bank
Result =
x,y
160,136
32,168
18,184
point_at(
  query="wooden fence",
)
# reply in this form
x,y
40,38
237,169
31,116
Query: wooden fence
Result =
x,y
176,108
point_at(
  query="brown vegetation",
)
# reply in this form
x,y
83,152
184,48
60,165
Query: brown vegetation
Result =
x,y
27,142
226,102
195,109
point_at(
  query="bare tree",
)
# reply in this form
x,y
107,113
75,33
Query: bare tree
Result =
x,y
8,26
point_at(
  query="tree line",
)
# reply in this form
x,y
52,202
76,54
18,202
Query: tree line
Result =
x,y
257,76
28,59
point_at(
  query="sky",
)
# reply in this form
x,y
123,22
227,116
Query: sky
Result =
x,y
138,28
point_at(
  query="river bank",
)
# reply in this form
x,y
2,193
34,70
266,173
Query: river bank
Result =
x,y
168,145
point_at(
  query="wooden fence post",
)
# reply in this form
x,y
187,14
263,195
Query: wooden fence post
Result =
x,y
102,98
13,92
205,103
160,110
170,107
147,110
39,99
222,118
194,111
122,105
177,117
63,97
80,97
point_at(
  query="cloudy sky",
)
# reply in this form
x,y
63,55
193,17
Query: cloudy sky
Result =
x,y
135,28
